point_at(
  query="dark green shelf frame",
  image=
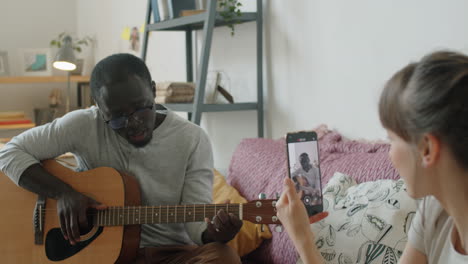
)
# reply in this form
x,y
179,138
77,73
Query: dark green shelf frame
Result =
x,y
196,22
207,21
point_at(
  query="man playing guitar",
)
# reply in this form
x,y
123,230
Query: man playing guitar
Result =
x,y
170,157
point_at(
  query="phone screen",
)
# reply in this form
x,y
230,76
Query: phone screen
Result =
x,y
304,169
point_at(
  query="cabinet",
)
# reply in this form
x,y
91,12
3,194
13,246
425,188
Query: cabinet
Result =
x,y
206,22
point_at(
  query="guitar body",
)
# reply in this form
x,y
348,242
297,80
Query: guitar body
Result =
x,y
112,244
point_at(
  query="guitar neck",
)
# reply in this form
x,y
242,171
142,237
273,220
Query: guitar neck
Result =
x,y
163,214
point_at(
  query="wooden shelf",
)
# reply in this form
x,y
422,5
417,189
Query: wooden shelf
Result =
x,y
18,126
43,79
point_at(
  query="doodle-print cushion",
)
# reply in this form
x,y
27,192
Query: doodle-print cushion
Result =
x,y
367,222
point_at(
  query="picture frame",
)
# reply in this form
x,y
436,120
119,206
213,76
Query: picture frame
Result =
x,y
35,62
4,66
218,88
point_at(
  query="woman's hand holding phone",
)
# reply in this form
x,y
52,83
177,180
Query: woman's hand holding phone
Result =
x,y
294,218
292,213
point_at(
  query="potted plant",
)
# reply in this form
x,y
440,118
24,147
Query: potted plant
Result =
x,y
76,42
230,10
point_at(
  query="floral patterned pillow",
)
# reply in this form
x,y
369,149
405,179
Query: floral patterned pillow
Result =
x,y
367,222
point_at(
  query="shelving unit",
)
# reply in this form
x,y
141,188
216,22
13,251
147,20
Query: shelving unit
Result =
x,y
207,21
43,79
78,79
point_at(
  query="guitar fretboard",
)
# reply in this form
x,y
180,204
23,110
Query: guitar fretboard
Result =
x,y
133,215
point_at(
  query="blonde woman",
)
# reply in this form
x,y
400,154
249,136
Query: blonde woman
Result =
x,y
424,108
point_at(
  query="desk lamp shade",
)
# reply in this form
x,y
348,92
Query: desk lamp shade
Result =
x,y
65,58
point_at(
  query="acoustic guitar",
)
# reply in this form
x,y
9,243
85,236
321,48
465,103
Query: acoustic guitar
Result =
x,y
30,229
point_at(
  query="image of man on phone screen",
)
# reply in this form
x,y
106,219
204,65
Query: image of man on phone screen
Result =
x,y
307,179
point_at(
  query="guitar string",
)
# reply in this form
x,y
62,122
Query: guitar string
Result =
x,y
198,206
178,207
131,211
145,218
150,220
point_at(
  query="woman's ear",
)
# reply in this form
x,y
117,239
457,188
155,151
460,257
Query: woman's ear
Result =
x,y
429,150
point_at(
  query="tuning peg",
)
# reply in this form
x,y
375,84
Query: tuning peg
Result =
x,y
261,196
279,228
262,228
277,195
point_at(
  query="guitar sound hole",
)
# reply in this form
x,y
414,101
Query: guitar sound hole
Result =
x,y
90,216
58,249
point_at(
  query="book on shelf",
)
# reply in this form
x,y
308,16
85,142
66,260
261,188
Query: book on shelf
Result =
x,y
18,126
15,122
184,13
10,115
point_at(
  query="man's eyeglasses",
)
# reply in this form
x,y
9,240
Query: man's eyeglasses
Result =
x,y
122,121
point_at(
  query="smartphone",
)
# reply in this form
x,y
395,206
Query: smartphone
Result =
x,y
304,168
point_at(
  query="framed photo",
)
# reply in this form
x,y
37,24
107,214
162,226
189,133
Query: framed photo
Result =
x,y
35,62
4,67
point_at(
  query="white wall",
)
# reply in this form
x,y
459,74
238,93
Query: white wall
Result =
x,y
106,19
31,24
326,60
330,59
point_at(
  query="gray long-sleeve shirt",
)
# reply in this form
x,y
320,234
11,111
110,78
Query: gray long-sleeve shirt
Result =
x,y
174,168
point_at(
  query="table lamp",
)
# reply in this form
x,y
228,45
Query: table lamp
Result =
x,y
65,61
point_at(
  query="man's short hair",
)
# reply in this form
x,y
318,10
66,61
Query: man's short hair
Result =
x,y
117,68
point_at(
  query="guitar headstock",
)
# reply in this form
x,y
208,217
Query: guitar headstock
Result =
x,y
262,211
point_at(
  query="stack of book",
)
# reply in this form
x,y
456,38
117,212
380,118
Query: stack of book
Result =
x,y
14,120
174,92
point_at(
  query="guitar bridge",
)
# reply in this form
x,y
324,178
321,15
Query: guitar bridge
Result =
x,y
38,220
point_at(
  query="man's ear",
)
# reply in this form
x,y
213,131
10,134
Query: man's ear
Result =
x,y
429,150
153,88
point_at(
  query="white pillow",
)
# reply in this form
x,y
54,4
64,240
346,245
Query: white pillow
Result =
x,y
367,222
